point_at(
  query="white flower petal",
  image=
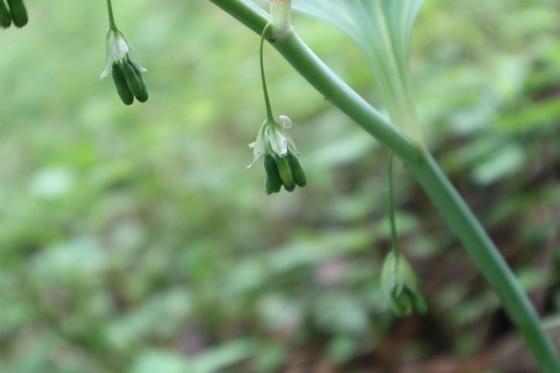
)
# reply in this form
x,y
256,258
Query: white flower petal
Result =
x,y
108,69
118,49
278,142
257,154
118,45
132,59
287,122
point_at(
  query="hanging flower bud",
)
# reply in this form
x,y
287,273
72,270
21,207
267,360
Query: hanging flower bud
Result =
x,y
280,17
297,171
5,16
399,284
280,156
128,68
273,182
18,12
120,82
285,172
134,81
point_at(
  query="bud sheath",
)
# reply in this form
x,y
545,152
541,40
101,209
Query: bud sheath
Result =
x,y
280,15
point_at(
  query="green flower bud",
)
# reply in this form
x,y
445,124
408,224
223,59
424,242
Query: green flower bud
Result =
x,y
399,284
120,83
18,11
5,16
285,172
135,81
273,182
297,171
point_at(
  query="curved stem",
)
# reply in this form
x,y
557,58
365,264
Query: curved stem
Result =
x,y
269,115
450,204
112,24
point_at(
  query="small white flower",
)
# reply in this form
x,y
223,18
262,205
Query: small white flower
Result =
x,y
273,139
277,140
118,49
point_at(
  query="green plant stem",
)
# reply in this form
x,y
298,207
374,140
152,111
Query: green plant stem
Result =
x,y
391,198
269,115
423,167
112,24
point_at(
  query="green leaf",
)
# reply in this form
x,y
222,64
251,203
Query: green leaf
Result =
x,y
382,29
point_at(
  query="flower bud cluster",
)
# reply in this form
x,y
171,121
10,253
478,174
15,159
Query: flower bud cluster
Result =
x,y
399,284
280,156
125,69
14,12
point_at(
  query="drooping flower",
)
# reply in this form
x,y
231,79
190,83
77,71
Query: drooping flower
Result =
x,y
118,50
125,68
282,167
400,287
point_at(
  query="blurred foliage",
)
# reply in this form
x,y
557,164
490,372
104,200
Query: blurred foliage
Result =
x,y
132,239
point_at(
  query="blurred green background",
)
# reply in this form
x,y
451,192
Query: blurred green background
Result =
x,y
133,239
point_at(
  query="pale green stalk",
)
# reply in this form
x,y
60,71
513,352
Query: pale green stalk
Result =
x,y
424,168
112,24
390,192
269,116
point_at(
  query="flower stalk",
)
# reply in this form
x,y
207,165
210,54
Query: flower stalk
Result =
x,y
112,24
275,144
398,280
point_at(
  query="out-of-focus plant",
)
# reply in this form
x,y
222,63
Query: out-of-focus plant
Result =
x,y
383,29
104,240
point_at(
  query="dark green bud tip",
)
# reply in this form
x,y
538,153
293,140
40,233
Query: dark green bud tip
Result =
x,y
297,171
135,81
5,16
18,11
285,172
273,182
120,83
290,188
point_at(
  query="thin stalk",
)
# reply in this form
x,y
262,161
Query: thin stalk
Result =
x,y
112,24
391,198
269,116
423,167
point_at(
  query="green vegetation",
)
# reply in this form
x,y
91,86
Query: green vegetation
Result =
x,y
133,239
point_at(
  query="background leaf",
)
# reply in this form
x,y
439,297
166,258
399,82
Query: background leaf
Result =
x,y
133,238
